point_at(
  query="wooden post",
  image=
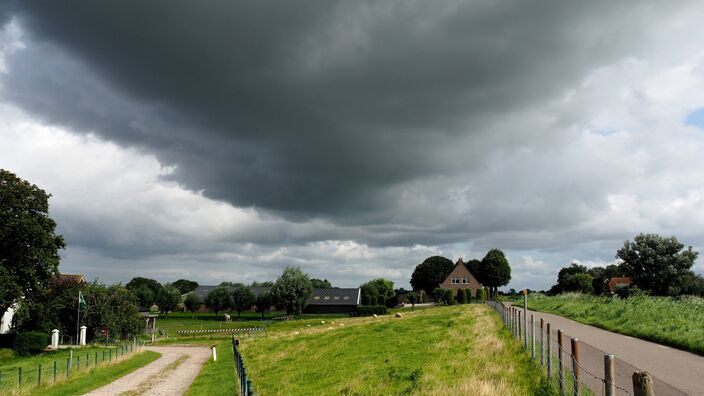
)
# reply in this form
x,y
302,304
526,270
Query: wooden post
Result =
x,y
642,384
54,370
560,366
549,354
68,367
525,319
19,376
39,375
532,337
609,376
575,366
250,391
542,343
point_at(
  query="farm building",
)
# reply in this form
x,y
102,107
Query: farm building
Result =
x,y
333,300
618,281
461,278
328,300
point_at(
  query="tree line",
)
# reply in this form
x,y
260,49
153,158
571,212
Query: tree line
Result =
x,y
658,265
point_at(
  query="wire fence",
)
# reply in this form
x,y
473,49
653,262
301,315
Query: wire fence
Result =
x,y
23,377
573,367
245,384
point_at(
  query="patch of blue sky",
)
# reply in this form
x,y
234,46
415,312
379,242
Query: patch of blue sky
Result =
x,y
695,118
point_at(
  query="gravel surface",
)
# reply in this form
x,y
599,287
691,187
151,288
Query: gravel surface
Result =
x,y
171,374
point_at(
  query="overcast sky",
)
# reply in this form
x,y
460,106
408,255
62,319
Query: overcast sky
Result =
x,y
354,139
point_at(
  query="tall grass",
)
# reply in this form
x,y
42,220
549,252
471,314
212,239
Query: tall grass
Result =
x,y
444,351
677,322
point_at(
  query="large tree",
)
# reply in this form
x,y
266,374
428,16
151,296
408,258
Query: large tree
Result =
x,y
292,290
185,285
320,284
168,298
658,264
379,289
219,299
147,290
28,241
264,303
192,303
430,273
242,299
495,270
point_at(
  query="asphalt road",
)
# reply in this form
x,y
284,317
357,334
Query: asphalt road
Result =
x,y
676,372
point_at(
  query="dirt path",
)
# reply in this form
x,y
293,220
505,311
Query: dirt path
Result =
x,y
171,374
677,372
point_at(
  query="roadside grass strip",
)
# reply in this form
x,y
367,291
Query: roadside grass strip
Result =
x,y
676,322
216,378
87,381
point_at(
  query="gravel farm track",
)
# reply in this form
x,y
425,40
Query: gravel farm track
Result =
x,y
171,374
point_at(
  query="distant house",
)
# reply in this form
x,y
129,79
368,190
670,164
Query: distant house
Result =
x,y
333,300
461,278
618,281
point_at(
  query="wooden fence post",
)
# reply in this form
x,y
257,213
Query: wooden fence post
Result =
x,y
642,384
525,319
519,325
39,375
575,366
54,370
549,354
19,376
542,343
532,337
560,366
609,376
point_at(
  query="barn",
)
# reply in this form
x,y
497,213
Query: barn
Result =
x,y
333,300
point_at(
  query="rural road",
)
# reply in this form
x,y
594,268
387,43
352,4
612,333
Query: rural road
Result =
x,y
171,374
682,370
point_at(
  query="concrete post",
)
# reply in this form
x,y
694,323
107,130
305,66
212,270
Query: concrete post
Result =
x,y
55,339
83,335
609,375
215,355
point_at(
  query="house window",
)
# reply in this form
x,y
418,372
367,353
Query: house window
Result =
x,y
455,281
465,280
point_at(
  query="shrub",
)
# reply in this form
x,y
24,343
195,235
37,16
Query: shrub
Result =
x,y
449,296
438,295
7,340
481,295
463,296
367,300
368,310
30,343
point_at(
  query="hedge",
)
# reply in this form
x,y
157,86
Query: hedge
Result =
x,y
368,310
31,343
7,340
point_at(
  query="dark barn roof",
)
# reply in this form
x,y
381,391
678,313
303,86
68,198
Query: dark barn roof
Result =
x,y
335,296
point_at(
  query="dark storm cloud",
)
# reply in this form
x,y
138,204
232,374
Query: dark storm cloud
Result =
x,y
326,109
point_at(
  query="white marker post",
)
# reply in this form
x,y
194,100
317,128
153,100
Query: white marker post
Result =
x,y
215,355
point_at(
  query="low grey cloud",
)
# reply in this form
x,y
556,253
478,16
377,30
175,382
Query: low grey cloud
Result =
x,y
553,130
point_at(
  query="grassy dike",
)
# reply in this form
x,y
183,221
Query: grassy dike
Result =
x,y
671,321
448,350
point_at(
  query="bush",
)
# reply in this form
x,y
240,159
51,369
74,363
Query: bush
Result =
x,y
368,310
481,295
30,343
367,300
462,297
7,340
449,296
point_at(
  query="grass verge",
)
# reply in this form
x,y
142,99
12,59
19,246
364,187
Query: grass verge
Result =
x,y
449,350
665,320
216,378
95,378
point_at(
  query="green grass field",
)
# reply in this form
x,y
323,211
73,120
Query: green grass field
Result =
x,y
449,350
666,320
216,378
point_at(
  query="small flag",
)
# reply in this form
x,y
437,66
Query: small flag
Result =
x,y
81,300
